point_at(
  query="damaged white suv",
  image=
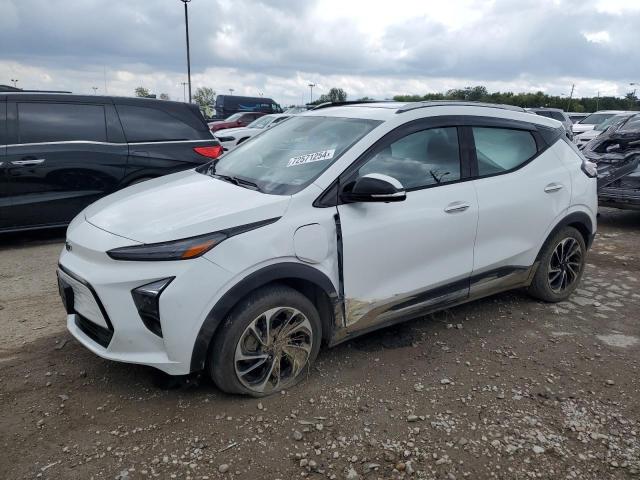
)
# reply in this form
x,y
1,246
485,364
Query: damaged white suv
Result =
x,y
340,221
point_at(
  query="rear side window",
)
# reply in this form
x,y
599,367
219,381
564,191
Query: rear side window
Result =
x,y
58,122
500,149
143,124
421,159
551,114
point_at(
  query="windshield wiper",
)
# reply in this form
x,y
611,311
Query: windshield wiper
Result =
x,y
241,182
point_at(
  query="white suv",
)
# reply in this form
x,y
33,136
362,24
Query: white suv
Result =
x,y
340,221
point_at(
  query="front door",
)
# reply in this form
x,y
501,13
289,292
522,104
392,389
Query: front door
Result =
x,y
404,258
60,161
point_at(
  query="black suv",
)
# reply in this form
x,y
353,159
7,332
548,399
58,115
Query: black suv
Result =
x,y
61,152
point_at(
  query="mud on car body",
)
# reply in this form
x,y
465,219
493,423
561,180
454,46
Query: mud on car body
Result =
x,y
339,221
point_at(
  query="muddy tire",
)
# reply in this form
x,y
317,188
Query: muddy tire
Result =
x,y
561,266
267,343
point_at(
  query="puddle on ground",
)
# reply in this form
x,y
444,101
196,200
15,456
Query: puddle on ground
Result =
x,y
619,340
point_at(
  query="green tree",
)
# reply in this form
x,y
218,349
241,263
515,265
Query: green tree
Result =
x,y
334,95
205,97
142,92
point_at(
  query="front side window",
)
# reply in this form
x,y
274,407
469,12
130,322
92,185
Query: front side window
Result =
x,y
286,159
500,149
421,159
143,124
58,122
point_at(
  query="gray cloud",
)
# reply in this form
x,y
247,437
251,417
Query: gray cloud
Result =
x,y
267,40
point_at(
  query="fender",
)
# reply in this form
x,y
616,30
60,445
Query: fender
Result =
x,y
580,218
271,273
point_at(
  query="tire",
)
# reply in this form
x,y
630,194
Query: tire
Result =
x,y
244,359
562,262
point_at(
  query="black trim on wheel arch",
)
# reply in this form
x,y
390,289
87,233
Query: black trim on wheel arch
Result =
x,y
264,276
575,218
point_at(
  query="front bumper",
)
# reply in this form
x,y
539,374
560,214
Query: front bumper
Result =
x,y
102,315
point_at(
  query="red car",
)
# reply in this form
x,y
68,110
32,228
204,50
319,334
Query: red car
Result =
x,y
235,120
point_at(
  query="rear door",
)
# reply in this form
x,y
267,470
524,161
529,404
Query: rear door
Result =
x,y
4,179
162,138
63,155
522,191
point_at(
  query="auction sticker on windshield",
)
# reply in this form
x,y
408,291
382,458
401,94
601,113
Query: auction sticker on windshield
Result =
x,y
311,157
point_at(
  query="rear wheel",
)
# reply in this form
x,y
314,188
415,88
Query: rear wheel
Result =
x,y
561,266
267,343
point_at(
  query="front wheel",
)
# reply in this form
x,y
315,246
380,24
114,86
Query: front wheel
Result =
x,y
561,266
267,343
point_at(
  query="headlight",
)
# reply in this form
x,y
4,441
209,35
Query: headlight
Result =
x,y
184,249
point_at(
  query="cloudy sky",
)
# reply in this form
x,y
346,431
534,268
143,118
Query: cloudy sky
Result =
x,y
368,47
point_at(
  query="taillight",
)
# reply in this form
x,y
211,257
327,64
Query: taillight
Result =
x,y
210,152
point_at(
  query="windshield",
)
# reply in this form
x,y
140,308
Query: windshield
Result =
x,y
596,118
610,121
233,117
286,159
262,122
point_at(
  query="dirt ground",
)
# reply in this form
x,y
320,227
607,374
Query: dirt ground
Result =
x,y
506,388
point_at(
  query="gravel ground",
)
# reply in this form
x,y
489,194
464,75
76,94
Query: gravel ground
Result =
x,y
506,387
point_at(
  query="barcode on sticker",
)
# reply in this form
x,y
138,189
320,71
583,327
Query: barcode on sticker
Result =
x,y
311,157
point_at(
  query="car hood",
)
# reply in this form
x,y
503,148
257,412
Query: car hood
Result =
x,y
181,205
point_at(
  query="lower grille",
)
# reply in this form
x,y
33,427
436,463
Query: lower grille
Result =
x,y
95,332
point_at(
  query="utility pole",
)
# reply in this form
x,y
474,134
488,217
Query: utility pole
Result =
x,y
104,72
570,96
311,85
598,101
184,92
186,25
15,82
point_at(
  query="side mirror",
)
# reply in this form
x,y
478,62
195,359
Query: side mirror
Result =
x,y
374,187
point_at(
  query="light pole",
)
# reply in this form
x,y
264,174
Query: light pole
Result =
x,y
95,89
631,84
186,26
184,93
231,90
311,85
15,82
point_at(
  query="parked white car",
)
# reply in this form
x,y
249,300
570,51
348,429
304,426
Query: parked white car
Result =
x,y
585,137
232,137
590,121
339,221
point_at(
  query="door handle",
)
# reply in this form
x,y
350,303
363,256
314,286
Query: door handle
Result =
x,y
23,163
553,187
455,207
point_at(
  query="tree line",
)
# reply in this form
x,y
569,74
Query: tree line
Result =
x,y
526,100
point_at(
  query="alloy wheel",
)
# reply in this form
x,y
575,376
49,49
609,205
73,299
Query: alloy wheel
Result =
x,y
565,265
273,349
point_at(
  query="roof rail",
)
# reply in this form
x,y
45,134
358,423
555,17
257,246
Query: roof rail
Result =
x,y
458,103
36,91
348,102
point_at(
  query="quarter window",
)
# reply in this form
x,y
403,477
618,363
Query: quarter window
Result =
x,y
501,149
421,159
143,124
58,122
